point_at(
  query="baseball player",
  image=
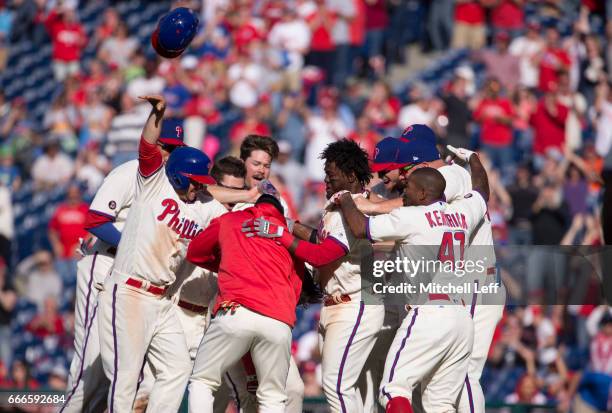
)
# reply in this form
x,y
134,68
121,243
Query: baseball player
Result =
x,y
259,287
434,359
87,385
258,152
458,183
137,317
347,328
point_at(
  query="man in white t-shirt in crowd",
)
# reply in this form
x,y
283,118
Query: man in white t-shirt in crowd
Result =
x,y
53,168
527,48
421,110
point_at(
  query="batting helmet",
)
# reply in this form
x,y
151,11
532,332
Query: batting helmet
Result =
x,y
174,32
186,164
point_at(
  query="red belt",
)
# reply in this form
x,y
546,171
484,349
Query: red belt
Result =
x,y
192,307
153,289
329,300
434,297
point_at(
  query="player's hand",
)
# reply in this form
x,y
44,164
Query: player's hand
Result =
x,y
460,153
266,187
336,198
157,101
261,227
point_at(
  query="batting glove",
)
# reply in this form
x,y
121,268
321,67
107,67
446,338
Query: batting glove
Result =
x,y
461,153
261,227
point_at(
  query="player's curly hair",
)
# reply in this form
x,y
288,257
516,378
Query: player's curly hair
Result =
x,y
350,158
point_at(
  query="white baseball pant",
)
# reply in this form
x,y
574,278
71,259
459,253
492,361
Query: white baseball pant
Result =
x,y
229,337
87,384
347,334
486,317
431,348
369,382
135,324
236,379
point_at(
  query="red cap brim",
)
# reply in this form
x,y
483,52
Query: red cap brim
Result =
x,y
203,179
171,141
388,166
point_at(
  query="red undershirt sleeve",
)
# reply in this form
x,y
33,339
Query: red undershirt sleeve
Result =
x,y
316,255
202,249
149,158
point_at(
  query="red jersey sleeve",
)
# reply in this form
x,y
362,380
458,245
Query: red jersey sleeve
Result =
x,y
317,255
203,249
95,219
149,158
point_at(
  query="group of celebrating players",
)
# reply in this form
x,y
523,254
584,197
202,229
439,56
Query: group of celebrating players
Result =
x,y
194,273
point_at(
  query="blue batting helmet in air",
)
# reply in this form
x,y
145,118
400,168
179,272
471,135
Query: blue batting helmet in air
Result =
x,y
185,164
174,32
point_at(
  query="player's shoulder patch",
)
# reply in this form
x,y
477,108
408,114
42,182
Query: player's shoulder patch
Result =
x,y
112,205
468,195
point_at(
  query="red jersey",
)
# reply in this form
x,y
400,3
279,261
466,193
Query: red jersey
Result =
x,y
258,273
470,12
553,60
549,130
69,223
494,132
507,15
68,38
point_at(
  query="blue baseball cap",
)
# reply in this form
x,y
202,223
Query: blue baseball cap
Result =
x,y
388,155
172,132
417,145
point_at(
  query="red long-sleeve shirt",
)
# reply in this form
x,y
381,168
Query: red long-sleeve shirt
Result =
x,y
68,39
549,130
255,272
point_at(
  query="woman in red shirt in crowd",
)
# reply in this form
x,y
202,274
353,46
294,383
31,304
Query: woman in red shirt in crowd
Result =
x,y
382,108
68,39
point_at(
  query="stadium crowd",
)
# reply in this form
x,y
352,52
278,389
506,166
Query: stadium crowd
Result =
x,y
534,96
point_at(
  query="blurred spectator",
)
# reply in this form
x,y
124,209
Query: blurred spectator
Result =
x,y
382,108
250,124
66,229
552,60
527,48
149,84
291,171
125,129
592,68
8,299
527,392
7,227
91,167
61,121
312,388
110,22
117,49
508,16
96,118
525,104
68,37
365,135
420,109
376,22
495,115
549,222
290,125
599,326
324,129
58,378
500,63
440,23
291,37
321,21
9,173
456,107
509,351
343,12
246,81
48,321
523,194
603,144
175,92
27,13
548,124
6,20
20,377
469,30
577,107
52,168
37,279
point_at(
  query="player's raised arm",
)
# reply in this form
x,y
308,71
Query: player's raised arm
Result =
x,y
149,155
480,180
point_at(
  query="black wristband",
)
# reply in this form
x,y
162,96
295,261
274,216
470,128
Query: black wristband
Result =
x,y
313,237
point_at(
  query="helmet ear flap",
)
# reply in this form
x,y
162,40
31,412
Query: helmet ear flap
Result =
x,y
178,181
